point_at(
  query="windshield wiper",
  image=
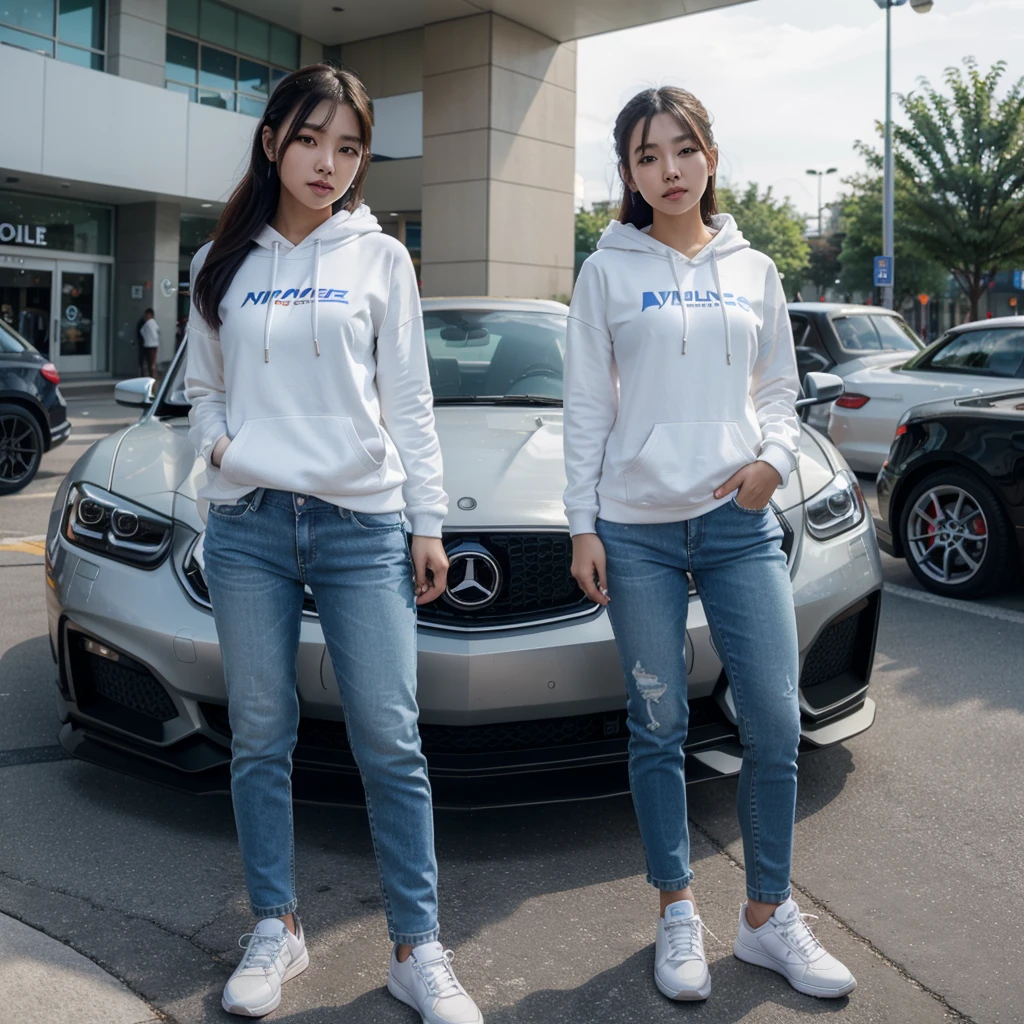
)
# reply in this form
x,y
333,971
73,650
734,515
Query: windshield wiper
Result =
x,y
496,400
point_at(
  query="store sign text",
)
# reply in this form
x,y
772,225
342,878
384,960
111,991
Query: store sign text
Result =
x,y
22,234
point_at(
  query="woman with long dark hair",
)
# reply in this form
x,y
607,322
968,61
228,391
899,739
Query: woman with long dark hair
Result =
x,y
680,424
311,407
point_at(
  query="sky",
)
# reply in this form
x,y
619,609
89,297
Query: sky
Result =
x,y
790,84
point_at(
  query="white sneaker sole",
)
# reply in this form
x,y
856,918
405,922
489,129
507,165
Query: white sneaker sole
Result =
x,y
403,995
686,995
755,956
294,969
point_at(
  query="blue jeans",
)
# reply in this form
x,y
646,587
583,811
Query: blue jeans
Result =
x,y
739,568
258,554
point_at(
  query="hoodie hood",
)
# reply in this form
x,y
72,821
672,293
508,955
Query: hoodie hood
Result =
x,y
342,228
728,239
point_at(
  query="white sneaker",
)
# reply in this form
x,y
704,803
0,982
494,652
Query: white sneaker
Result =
x,y
426,982
272,956
785,944
680,967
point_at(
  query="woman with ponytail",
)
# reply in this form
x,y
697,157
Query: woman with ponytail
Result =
x,y
680,384
312,413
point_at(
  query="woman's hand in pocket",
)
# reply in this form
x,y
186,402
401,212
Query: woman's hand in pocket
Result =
x,y
431,564
219,449
588,562
757,482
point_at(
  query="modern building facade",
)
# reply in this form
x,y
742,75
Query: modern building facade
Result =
x,y
128,122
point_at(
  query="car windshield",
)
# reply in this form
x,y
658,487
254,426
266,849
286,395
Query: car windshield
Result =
x,y
876,332
508,356
989,352
11,340
503,357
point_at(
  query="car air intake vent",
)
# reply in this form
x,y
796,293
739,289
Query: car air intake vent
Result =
x,y
110,678
499,580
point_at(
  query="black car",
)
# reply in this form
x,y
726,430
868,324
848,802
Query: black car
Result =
x,y
33,414
951,495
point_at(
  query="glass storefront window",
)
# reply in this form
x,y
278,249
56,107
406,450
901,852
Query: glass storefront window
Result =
x,y
75,31
80,22
217,24
183,16
217,69
253,36
32,15
49,223
251,105
229,80
284,47
253,77
24,41
83,58
182,59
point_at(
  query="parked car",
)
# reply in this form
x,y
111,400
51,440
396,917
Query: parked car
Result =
x,y
974,359
951,494
520,687
843,339
33,413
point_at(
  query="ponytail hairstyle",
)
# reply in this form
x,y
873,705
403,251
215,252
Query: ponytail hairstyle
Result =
x,y
689,112
254,201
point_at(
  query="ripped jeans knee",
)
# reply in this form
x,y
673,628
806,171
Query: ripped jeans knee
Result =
x,y
650,690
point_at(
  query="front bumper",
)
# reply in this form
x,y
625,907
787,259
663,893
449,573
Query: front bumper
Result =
x,y
514,716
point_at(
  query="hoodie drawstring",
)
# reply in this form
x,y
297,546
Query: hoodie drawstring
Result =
x,y
725,312
682,304
316,295
270,307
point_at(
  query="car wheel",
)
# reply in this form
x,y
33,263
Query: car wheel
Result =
x,y
955,536
21,448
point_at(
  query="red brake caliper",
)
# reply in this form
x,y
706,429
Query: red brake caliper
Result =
x,y
932,530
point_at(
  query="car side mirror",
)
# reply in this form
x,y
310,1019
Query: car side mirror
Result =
x,y
820,388
137,391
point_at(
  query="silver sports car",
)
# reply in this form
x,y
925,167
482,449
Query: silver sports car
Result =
x,y
520,688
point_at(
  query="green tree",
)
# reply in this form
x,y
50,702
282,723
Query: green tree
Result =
x,y
961,158
591,223
860,217
824,261
771,225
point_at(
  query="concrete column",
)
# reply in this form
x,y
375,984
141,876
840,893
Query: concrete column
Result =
x,y
137,40
499,111
148,240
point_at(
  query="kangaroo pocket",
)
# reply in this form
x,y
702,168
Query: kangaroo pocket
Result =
x,y
308,454
681,464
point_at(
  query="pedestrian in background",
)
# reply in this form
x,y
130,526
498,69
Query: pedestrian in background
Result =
x,y
311,405
149,335
680,423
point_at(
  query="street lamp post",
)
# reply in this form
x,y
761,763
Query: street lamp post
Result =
x,y
819,175
889,182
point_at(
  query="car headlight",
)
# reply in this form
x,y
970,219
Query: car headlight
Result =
x,y
115,527
837,507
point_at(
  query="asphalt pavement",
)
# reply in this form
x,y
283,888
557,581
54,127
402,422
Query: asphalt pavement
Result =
x,y
123,902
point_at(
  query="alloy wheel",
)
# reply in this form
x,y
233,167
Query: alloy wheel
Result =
x,y
948,534
18,449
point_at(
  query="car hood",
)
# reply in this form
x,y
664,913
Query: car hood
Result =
x,y
508,461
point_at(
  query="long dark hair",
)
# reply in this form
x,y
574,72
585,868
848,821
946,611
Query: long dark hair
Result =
x,y
254,201
688,111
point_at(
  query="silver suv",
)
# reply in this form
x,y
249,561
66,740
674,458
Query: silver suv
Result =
x,y
521,691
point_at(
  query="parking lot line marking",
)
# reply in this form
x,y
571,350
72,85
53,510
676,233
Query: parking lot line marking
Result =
x,y
37,547
985,610
30,497
22,540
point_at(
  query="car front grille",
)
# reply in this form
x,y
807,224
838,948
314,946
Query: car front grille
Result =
x,y
537,582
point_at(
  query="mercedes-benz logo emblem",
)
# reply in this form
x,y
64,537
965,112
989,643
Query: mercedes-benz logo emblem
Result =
x,y
474,577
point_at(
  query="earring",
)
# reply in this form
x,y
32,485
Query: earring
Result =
x,y
270,170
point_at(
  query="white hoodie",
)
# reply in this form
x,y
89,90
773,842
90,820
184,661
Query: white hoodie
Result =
x,y
669,389
319,375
